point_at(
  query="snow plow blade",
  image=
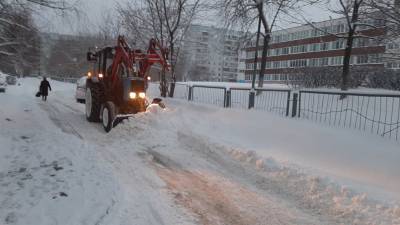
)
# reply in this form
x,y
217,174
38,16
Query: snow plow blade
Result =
x,y
154,107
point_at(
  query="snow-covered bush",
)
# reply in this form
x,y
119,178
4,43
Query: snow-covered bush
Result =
x,y
387,79
373,77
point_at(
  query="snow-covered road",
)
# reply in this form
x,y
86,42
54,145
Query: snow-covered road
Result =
x,y
172,167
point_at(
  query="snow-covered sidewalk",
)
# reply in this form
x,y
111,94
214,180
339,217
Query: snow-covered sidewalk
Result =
x,y
189,164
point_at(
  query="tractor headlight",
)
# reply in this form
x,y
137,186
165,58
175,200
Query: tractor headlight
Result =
x,y
132,95
142,95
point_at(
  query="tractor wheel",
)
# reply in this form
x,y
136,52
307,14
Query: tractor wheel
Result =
x,y
93,102
108,116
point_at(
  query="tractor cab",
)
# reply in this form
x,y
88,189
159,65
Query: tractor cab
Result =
x,y
121,82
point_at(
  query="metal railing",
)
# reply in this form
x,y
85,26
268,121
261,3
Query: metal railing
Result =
x,y
239,98
208,95
181,91
375,113
65,79
271,100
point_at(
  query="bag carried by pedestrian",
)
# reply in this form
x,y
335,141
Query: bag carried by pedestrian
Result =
x,y
38,94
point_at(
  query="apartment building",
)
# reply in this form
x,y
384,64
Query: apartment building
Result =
x,y
294,49
210,54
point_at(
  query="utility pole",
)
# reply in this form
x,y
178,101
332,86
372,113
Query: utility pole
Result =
x,y
253,80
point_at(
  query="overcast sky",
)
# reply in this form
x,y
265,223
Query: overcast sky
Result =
x,y
92,13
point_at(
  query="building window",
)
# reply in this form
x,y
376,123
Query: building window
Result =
x,y
362,59
361,42
375,58
314,47
285,51
324,46
323,61
284,64
339,28
303,48
250,55
298,49
338,44
249,66
298,63
338,60
283,76
393,65
313,62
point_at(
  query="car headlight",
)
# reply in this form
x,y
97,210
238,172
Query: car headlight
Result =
x,y
142,95
132,95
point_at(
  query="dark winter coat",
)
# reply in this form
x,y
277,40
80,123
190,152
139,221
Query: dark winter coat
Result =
x,y
44,87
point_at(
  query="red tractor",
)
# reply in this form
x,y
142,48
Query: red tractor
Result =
x,y
116,86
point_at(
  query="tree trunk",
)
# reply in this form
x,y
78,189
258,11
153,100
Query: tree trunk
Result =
x,y
346,61
163,84
349,46
267,38
253,80
173,80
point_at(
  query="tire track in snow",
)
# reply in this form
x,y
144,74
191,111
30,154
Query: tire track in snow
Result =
x,y
214,199
56,115
196,193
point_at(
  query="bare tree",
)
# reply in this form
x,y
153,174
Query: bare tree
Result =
x,y
19,48
165,20
389,14
109,28
245,13
19,39
351,10
355,13
389,11
69,61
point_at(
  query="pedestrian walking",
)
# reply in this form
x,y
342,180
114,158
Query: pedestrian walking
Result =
x,y
44,88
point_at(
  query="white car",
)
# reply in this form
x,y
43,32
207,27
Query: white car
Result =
x,y
11,80
81,90
3,83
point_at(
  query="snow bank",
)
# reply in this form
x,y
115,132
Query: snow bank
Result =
x,y
322,194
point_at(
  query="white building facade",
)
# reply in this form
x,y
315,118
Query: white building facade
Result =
x,y
210,54
295,49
